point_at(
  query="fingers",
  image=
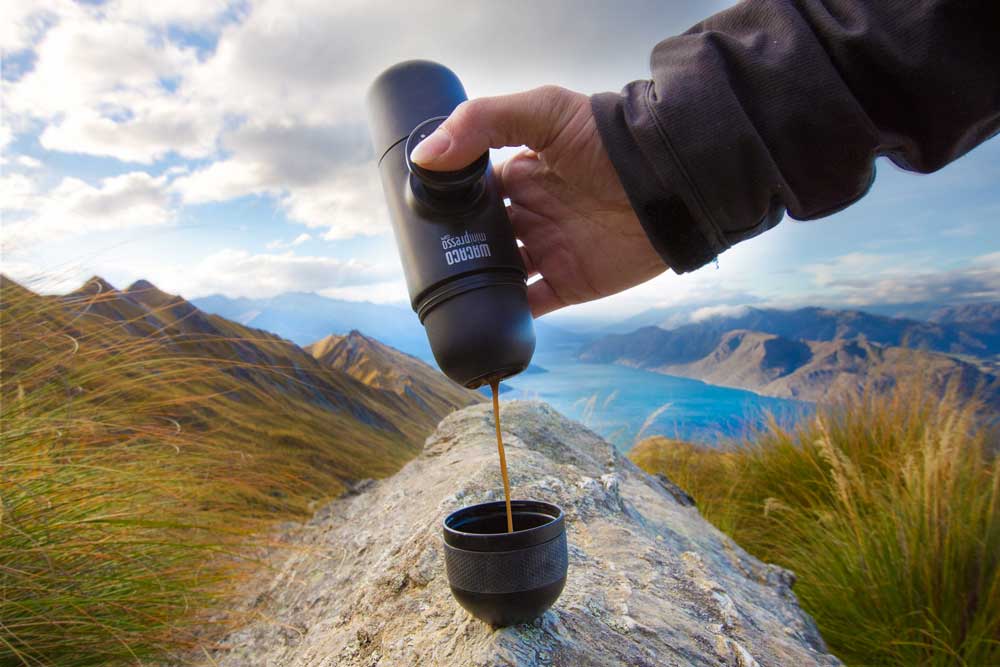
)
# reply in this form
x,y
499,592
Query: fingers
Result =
x,y
529,265
532,118
503,179
543,299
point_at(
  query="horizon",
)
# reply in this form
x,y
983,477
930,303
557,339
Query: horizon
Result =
x,y
176,164
692,315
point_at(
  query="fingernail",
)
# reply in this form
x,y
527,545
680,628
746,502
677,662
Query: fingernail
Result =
x,y
432,147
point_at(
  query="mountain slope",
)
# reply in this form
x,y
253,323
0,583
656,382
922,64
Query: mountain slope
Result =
x,y
969,312
146,449
274,402
811,353
821,370
255,360
380,366
821,324
304,318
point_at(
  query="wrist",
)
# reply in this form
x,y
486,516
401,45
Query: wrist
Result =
x,y
662,214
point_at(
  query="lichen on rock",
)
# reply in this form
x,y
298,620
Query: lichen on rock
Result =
x,y
650,581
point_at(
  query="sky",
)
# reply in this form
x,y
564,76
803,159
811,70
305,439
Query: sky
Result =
x,y
220,147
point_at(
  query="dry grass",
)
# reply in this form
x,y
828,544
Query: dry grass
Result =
x,y
886,507
135,471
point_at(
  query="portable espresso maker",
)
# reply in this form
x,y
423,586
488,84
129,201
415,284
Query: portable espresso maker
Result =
x,y
506,564
463,270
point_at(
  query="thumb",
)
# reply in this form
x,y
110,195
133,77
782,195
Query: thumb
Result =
x,y
532,118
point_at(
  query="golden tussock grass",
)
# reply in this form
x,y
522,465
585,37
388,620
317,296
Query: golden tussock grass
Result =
x,y
137,476
885,507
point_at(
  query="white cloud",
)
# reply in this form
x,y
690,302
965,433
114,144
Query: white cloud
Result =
x,y
390,291
6,135
21,23
321,176
318,57
88,63
851,264
219,181
74,207
286,80
860,280
149,133
99,85
17,192
711,312
987,262
351,204
28,162
278,244
239,273
186,13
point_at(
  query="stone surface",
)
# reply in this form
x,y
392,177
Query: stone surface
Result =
x,y
650,581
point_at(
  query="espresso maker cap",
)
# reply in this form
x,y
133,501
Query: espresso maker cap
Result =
x,y
406,95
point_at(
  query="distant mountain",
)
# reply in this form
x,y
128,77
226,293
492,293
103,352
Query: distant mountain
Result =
x,y
820,370
304,318
672,317
653,346
668,317
808,354
921,310
968,313
378,365
276,398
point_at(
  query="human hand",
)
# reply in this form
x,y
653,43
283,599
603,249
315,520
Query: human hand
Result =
x,y
567,205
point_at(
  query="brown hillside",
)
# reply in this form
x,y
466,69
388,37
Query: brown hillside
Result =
x,y
274,402
378,365
822,370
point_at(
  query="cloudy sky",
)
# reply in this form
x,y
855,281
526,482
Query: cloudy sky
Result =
x,y
218,147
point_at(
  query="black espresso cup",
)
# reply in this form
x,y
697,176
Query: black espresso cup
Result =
x,y
506,578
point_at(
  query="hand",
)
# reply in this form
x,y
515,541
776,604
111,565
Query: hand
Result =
x,y
567,205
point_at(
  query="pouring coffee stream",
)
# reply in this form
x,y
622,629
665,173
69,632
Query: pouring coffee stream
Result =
x,y
495,388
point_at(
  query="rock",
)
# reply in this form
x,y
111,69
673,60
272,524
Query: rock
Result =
x,y
679,494
650,582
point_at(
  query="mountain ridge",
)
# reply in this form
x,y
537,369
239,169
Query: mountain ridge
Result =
x,y
306,317
820,371
270,396
811,353
378,365
818,323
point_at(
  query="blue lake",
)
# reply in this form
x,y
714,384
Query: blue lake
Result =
x,y
626,404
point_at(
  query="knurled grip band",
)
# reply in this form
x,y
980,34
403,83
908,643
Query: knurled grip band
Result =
x,y
452,288
507,571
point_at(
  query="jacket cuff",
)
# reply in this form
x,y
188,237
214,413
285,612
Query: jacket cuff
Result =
x,y
653,180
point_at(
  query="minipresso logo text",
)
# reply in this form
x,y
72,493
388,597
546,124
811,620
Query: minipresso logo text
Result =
x,y
470,245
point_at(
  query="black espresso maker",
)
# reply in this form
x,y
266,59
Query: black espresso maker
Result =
x,y
463,270
467,284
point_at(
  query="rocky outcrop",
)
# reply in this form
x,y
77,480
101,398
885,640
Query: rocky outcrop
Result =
x,y
650,581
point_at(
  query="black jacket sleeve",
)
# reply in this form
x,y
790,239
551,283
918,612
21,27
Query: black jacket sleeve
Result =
x,y
781,104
